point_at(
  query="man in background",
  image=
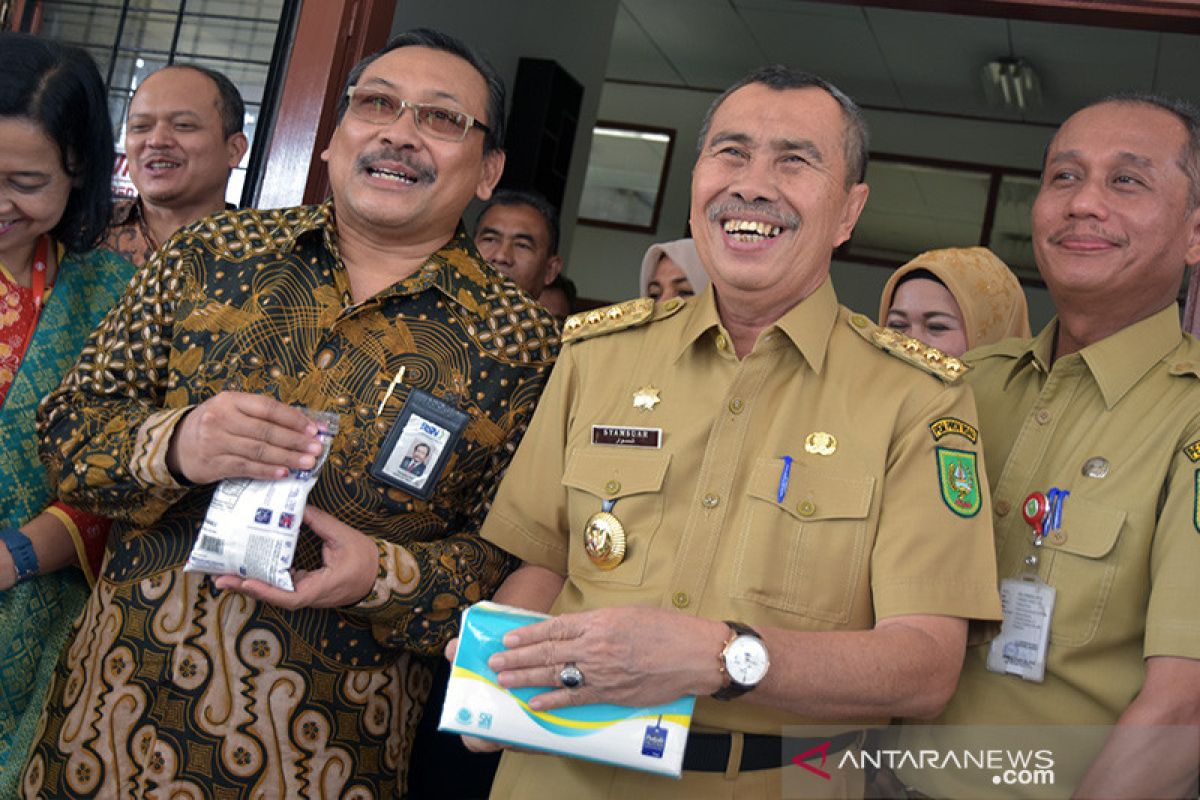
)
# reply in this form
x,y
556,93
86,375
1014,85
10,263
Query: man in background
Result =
x,y
183,137
518,235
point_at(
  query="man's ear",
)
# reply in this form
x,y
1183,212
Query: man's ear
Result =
x,y
489,176
236,146
554,266
1193,251
856,199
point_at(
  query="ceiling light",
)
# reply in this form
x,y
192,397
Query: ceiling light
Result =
x,y
1011,83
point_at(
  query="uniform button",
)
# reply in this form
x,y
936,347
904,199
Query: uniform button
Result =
x,y
680,600
1042,416
711,500
736,405
671,304
1003,507
722,342
806,508
1058,536
859,321
612,487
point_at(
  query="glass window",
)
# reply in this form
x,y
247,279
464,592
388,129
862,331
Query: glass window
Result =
x,y
916,207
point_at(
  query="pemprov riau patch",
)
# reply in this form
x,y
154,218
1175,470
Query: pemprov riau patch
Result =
x,y
948,425
959,480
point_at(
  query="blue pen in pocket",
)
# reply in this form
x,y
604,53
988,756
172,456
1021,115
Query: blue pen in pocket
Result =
x,y
785,475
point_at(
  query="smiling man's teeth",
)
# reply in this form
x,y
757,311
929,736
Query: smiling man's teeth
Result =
x,y
163,164
390,175
745,230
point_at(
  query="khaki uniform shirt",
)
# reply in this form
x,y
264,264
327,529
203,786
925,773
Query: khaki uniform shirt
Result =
x,y
1126,561
861,533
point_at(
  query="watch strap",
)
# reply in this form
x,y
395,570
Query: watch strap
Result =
x,y
733,689
23,556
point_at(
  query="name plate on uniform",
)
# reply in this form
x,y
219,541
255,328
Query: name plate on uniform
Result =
x,y
619,436
650,739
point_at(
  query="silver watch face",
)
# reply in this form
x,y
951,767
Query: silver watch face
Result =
x,y
746,660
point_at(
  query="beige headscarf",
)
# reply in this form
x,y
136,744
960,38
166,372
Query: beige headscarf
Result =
x,y
988,293
682,252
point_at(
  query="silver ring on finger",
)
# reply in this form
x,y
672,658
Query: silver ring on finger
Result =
x,y
570,676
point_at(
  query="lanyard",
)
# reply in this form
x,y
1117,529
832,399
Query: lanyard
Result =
x,y
38,287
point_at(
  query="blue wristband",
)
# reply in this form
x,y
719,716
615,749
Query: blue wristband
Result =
x,y
24,559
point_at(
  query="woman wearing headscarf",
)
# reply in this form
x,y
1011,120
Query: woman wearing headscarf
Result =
x,y
955,299
672,269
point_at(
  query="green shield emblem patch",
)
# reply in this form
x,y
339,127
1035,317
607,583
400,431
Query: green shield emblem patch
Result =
x,y
959,480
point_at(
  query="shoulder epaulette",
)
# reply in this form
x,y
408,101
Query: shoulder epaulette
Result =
x,y
620,316
947,368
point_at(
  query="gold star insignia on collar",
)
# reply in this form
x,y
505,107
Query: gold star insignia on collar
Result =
x,y
646,398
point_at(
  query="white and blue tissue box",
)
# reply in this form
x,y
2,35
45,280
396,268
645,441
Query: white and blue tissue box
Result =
x,y
651,738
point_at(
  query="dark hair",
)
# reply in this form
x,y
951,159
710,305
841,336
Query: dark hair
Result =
x,y
1187,114
58,87
523,197
568,288
493,139
918,274
230,105
781,78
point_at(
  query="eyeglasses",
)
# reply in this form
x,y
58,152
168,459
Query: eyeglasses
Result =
x,y
380,108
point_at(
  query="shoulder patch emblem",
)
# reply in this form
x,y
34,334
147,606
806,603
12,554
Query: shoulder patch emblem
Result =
x,y
612,318
947,368
1192,451
959,480
948,425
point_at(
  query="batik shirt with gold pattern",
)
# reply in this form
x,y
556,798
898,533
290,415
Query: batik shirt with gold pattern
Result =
x,y
172,689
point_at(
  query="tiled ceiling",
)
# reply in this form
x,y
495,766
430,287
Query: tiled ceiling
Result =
x,y
895,59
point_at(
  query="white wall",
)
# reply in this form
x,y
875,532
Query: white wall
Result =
x,y
575,34
604,263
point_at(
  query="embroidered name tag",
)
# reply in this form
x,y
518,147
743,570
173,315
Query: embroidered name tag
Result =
x,y
948,425
627,437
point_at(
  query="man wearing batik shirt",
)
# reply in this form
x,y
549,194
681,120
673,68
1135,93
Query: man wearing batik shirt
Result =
x,y
375,306
183,138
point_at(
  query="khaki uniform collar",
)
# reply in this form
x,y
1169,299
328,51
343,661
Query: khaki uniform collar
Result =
x,y
808,325
456,269
1116,362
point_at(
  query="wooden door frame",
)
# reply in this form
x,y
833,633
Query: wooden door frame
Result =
x,y
331,37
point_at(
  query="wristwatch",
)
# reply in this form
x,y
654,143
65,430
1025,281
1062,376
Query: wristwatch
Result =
x,y
744,660
24,559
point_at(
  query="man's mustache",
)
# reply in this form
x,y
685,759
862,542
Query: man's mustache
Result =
x,y
755,208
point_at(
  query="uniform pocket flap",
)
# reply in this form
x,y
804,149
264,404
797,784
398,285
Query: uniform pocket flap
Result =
x,y
617,472
813,494
1091,530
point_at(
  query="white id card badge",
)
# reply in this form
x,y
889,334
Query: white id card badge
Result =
x,y
1020,649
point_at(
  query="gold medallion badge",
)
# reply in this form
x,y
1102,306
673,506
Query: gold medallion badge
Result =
x,y
604,540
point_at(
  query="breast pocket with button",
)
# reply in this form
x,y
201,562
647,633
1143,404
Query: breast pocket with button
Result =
x,y
1082,569
634,480
806,554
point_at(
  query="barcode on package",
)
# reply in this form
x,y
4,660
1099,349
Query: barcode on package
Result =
x,y
212,544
